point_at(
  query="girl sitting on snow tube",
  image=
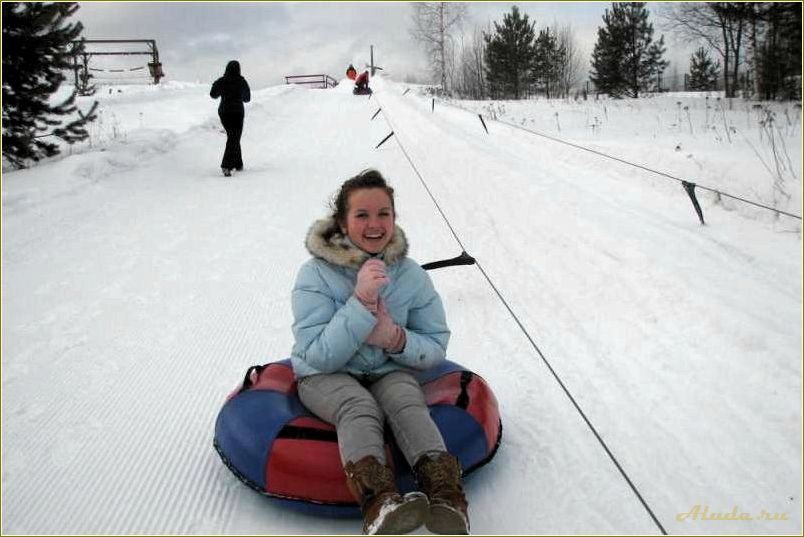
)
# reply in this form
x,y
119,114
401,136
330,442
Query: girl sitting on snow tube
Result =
x,y
273,444
365,316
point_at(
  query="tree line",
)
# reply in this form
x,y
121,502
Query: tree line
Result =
x,y
759,44
749,49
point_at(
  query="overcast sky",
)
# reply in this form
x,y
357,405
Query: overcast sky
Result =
x,y
271,40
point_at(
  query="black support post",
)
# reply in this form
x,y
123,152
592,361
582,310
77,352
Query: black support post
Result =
x,y
384,140
463,259
690,188
484,123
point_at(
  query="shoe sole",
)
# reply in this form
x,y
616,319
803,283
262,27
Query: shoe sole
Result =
x,y
445,520
407,517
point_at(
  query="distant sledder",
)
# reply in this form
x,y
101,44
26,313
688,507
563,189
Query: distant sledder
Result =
x,y
361,81
362,84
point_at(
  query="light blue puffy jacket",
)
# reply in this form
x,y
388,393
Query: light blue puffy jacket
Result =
x,y
330,324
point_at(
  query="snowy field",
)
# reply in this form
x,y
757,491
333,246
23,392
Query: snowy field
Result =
x,y
138,285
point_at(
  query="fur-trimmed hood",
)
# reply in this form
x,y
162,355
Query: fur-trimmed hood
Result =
x,y
326,241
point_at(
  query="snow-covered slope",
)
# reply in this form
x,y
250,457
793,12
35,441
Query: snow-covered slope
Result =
x,y
138,285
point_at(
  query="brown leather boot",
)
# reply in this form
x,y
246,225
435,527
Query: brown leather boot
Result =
x,y
385,511
439,476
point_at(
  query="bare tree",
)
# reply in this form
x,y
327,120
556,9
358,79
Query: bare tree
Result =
x,y
461,81
471,82
433,26
721,25
775,49
675,78
571,65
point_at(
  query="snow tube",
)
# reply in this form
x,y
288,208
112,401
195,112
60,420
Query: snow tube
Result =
x,y
362,91
266,437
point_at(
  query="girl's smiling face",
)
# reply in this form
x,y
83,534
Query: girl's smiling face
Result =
x,y
370,219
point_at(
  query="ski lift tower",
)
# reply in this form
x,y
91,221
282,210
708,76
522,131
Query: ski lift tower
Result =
x,y
82,69
374,68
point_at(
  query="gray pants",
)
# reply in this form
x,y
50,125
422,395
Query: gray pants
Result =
x,y
358,414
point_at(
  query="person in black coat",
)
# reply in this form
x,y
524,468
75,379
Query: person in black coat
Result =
x,y
233,90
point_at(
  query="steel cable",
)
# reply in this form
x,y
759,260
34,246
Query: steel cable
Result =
x,y
634,164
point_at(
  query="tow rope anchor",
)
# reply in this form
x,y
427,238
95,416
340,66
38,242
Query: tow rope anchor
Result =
x,y
463,259
484,123
384,140
690,188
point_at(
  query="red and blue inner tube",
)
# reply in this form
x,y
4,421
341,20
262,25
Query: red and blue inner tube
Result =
x,y
272,443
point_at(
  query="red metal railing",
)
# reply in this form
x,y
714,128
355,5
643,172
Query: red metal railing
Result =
x,y
315,81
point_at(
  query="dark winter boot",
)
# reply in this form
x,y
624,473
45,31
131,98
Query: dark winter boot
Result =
x,y
227,172
385,511
439,476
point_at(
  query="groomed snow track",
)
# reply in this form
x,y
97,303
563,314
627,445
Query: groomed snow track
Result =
x,y
139,285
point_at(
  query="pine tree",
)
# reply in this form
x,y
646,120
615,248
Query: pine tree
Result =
x,y
626,60
38,48
509,52
608,74
548,61
704,71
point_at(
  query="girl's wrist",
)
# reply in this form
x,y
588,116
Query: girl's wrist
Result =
x,y
398,343
369,304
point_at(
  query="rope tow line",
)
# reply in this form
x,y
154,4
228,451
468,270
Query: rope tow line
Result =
x,y
527,334
688,186
657,172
